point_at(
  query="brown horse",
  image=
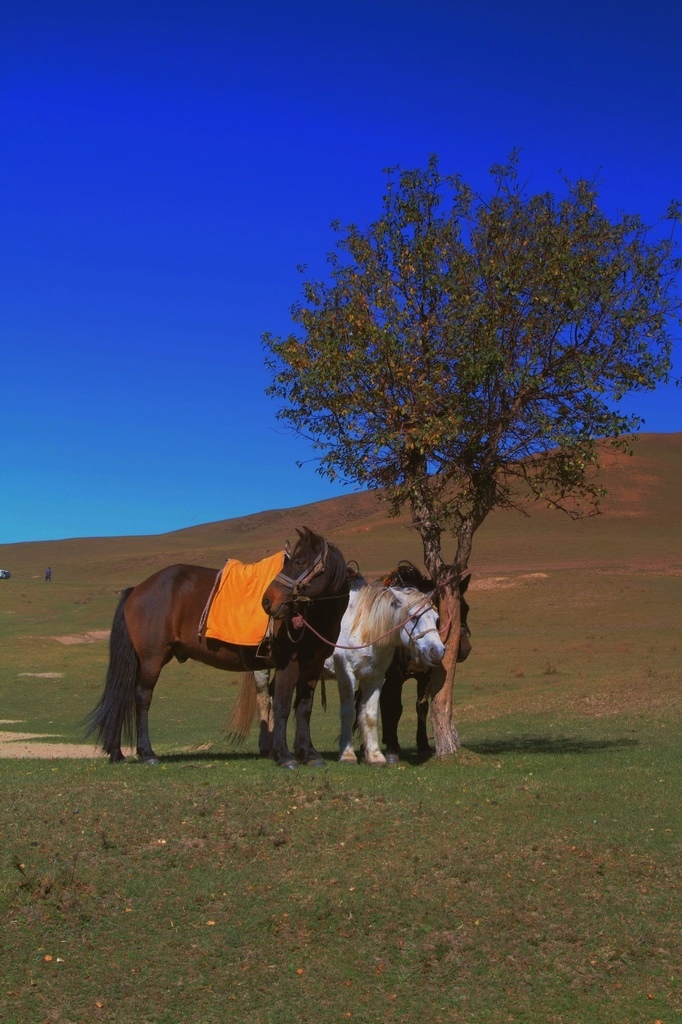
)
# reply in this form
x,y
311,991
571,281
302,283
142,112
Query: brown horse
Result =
x,y
390,701
159,619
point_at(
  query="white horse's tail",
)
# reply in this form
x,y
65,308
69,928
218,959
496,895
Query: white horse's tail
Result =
x,y
242,713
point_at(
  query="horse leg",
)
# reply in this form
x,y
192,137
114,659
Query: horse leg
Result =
x,y
265,714
285,684
347,710
423,746
144,692
368,719
390,701
303,744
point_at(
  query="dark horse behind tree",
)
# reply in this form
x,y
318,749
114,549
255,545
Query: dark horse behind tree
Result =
x,y
159,620
390,702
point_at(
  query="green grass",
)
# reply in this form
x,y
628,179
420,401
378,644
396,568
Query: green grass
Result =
x,y
535,879
532,881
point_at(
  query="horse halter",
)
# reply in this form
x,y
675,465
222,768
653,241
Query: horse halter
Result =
x,y
417,616
295,585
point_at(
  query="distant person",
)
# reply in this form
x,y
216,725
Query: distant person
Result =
x,y
48,575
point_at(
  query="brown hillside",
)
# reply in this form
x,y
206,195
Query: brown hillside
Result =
x,y
640,527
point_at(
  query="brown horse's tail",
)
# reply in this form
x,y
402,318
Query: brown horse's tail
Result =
x,y
115,715
242,713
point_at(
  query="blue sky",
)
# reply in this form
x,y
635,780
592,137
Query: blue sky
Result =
x,y
168,166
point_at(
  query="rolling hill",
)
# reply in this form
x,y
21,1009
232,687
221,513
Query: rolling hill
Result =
x,y
640,527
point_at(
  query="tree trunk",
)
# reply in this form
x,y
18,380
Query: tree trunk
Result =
x,y
443,678
447,578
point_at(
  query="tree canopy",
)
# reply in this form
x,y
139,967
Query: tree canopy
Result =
x,y
464,342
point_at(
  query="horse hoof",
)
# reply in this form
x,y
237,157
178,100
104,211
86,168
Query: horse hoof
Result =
x,y
291,764
316,762
392,759
150,760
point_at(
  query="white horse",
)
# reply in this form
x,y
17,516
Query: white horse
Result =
x,y
378,620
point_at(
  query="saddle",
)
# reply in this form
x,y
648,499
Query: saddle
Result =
x,y
234,613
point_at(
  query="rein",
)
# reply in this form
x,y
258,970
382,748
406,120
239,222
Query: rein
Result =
x,y
298,622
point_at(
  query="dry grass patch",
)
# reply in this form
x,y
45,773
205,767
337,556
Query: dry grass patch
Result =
x,y
604,698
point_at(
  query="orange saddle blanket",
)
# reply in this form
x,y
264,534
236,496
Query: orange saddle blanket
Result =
x,y
236,614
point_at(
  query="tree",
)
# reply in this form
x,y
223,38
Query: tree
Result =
x,y
466,346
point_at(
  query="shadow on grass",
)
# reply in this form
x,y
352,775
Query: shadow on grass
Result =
x,y
206,756
512,745
547,745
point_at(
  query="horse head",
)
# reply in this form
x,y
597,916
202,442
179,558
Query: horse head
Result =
x,y
419,633
408,575
314,569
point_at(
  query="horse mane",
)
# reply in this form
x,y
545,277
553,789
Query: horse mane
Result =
x,y
338,578
378,609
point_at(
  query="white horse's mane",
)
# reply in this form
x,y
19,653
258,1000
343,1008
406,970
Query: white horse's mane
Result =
x,y
376,609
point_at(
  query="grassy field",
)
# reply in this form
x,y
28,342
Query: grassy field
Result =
x,y
535,879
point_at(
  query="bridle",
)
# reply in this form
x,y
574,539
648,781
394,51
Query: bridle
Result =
x,y
441,630
295,584
412,636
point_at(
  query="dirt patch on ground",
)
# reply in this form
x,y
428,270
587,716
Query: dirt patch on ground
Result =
x,y
502,582
91,637
30,744
41,675
27,744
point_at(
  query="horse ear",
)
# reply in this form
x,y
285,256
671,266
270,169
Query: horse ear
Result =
x,y
303,535
463,584
353,570
314,540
